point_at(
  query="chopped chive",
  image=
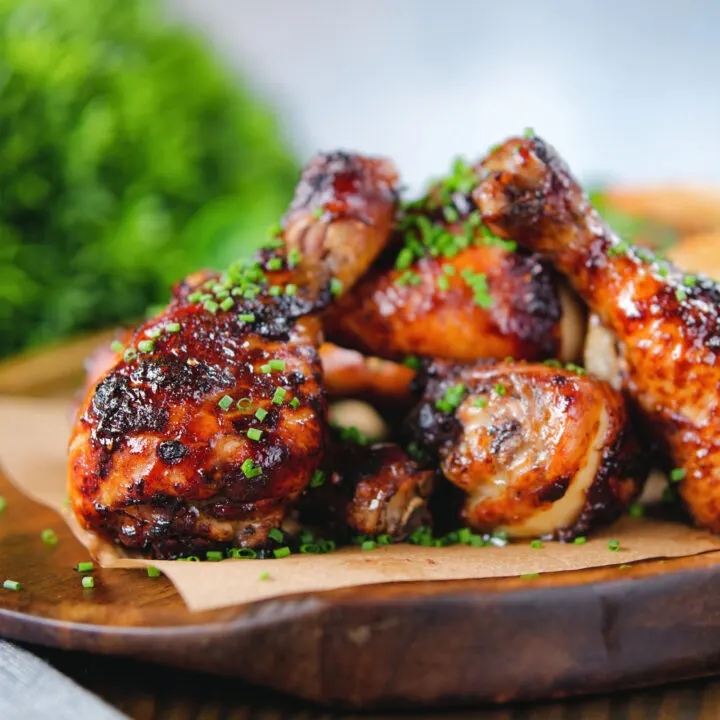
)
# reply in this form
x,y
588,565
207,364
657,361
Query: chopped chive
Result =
x,y
404,259
250,469
277,535
254,434
413,362
310,548
261,414
479,402
476,541
294,258
227,303
689,280
368,545
211,306
530,576
116,346
130,354
279,396
624,567
680,295
13,585
336,286
172,327
276,364
153,572
552,363
192,558
84,567
194,297
225,402
146,346
244,403
464,536
636,510
317,479
3,503
443,283
154,333
581,540
290,289
275,290
281,552
246,317
275,263
275,230
528,133
613,545
294,403
328,546
49,537
384,539
318,213
500,389
677,474
264,576
242,553
88,582
536,544
452,398
265,368
214,555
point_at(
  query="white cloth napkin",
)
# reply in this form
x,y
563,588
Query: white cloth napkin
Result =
x,y
31,689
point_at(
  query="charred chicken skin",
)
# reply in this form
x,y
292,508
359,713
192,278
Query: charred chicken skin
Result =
x,y
212,422
538,450
448,288
666,324
370,490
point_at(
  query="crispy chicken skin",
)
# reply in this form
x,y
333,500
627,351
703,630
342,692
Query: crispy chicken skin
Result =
x,y
465,301
165,456
341,216
667,325
539,450
370,490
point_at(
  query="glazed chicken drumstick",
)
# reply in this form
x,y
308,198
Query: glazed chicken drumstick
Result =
x,y
539,450
667,324
212,422
447,288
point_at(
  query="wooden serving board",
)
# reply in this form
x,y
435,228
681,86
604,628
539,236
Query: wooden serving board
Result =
x,y
431,643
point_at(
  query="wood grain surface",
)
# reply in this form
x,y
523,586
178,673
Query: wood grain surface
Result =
x,y
426,644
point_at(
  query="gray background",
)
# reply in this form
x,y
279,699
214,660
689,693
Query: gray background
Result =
x,y
626,90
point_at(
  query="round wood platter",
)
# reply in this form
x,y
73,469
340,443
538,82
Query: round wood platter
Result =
x,y
402,644
436,643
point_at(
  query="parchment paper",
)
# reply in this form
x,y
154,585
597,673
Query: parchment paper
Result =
x,y
33,439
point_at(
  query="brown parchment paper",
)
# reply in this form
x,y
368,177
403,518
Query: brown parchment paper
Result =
x,y
33,438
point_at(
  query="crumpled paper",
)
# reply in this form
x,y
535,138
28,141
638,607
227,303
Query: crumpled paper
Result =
x,y
33,440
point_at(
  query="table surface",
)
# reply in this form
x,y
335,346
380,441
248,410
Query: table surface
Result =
x,y
148,692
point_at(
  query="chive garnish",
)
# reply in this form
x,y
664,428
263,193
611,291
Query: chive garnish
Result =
x,y
261,414
250,469
368,545
277,535
153,572
146,346
227,303
281,552
254,434
677,474
581,540
274,264
279,396
3,503
246,317
214,555
264,576
130,354
265,368
317,479
116,346
13,585
242,553
84,567
293,258
276,364
536,544
613,545
636,510
243,403
49,537
88,582
225,402
172,327
336,286
294,403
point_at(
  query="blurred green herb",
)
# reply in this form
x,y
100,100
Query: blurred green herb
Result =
x,y
636,229
129,158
